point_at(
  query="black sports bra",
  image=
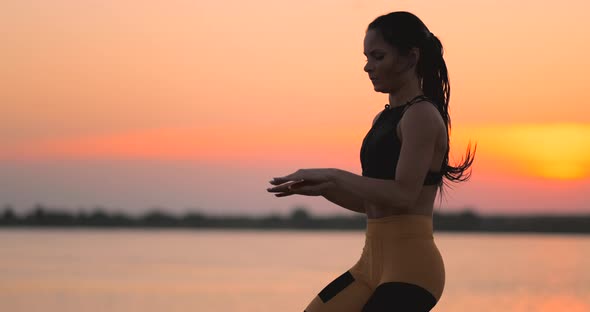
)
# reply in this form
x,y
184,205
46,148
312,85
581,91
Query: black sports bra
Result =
x,y
381,147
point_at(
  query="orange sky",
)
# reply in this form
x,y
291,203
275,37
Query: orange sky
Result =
x,y
252,90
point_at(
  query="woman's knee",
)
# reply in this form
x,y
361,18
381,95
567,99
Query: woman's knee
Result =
x,y
400,296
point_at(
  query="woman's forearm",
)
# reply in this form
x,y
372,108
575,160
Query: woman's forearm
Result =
x,y
345,200
380,192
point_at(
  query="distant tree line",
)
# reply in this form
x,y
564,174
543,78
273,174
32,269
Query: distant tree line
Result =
x,y
299,218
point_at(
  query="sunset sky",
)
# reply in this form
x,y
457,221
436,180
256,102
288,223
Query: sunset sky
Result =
x,y
195,105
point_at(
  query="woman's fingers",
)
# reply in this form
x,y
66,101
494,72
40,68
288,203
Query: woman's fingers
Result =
x,y
312,182
304,188
284,187
278,181
295,176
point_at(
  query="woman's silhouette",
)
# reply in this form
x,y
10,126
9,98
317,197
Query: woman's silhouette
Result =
x,y
404,158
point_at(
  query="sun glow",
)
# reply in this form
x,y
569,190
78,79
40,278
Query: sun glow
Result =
x,y
553,151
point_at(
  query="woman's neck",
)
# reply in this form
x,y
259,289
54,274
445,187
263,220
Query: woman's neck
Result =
x,y
407,92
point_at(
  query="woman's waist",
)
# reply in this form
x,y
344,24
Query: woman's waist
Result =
x,y
402,226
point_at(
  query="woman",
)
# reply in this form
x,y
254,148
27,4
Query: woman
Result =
x,y
404,159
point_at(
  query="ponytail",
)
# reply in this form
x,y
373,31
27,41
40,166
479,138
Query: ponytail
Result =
x,y
432,70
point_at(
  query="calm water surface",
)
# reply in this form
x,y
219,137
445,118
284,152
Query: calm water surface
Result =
x,y
219,270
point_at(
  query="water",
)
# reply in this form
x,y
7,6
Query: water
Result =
x,y
240,270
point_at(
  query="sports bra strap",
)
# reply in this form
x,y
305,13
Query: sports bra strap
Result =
x,y
415,100
411,101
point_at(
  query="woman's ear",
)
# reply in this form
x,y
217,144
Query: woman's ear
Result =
x,y
413,57
408,62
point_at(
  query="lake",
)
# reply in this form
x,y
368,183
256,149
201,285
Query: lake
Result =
x,y
251,270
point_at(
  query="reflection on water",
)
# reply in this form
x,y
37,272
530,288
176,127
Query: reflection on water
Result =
x,y
217,270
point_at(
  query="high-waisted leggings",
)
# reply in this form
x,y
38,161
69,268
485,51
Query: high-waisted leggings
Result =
x,y
400,270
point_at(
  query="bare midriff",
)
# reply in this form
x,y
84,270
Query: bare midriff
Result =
x,y
424,205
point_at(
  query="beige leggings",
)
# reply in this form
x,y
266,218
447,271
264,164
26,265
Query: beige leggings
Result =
x,y
400,269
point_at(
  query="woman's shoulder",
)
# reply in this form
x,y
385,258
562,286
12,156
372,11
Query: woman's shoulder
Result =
x,y
424,106
422,112
422,102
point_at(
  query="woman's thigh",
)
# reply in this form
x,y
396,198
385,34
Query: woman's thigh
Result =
x,y
344,294
400,296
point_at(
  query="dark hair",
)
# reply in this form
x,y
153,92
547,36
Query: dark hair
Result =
x,y
404,30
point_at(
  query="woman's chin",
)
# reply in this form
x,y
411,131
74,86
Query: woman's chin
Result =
x,y
379,89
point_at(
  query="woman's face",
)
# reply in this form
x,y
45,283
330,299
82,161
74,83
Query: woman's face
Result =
x,y
384,64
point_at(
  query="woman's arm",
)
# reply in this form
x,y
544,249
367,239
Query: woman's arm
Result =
x,y
420,127
383,193
345,199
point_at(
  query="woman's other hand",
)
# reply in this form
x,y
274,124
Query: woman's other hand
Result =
x,y
310,182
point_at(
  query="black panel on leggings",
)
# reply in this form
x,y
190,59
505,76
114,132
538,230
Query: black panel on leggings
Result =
x,y
399,296
336,286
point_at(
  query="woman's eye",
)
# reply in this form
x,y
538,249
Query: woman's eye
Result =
x,y
378,58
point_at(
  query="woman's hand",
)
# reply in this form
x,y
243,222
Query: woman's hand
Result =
x,y
310,182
